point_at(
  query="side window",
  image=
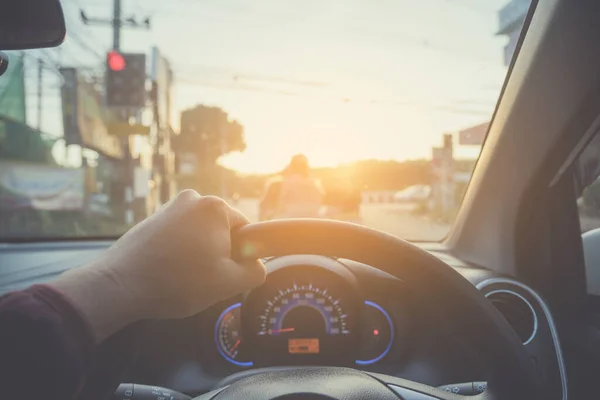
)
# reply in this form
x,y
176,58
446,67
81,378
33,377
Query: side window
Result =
x,y
589,207
587,183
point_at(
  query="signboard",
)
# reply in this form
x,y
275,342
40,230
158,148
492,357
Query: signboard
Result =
x,y
41,187
473,136
141,182
511,46
161,75
69,106
12,90
20,142
442,162
84,118
512,15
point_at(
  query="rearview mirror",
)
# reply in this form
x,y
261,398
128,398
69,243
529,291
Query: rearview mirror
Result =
x,y
31,24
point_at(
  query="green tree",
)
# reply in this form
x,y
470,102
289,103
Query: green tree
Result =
x,y
209,133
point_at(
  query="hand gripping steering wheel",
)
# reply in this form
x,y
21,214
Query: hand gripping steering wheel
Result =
x,y
450,298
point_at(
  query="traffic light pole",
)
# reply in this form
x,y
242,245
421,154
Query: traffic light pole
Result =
x,y
128,199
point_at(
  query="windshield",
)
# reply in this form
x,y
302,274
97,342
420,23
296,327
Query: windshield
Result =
x,y
372,112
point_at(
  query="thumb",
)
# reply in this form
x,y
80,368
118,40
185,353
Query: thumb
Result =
x,y
248,273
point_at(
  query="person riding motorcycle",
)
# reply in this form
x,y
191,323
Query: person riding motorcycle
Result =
x,y
295,194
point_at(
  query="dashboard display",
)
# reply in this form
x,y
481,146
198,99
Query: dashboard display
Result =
x,y
304,346
228,336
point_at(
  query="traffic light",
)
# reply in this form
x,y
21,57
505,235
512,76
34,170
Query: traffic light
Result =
x,y
125,79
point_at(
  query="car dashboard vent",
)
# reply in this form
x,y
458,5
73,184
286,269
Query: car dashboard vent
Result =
x,y
518,312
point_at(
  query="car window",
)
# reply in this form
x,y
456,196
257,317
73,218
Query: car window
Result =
x,y
587,182
587,186
384,105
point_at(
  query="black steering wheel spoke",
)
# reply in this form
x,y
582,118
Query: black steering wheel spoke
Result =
x,y
410,390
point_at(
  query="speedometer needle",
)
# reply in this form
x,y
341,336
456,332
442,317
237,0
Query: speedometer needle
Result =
x,y
235,346
283,330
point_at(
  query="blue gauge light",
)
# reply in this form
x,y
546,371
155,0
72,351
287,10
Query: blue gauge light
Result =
x,y
228,338
377,327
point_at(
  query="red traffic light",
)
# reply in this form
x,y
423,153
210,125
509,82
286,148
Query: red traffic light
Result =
x,y
116,62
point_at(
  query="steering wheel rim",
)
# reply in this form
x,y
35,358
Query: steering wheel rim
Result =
x,y
513,375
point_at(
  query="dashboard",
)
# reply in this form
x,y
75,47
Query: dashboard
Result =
x,y
312,310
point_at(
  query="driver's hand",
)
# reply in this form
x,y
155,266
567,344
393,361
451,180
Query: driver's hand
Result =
x,y
174,264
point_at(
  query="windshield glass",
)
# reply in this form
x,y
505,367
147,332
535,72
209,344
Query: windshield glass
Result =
x,y
366,111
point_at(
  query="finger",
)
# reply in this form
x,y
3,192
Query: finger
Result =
x,y
236,218
183,198
247,274
255,269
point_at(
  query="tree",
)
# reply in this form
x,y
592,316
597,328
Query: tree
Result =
x,y
209,134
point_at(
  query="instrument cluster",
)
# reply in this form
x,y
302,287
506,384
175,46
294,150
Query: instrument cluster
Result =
x,y
305,315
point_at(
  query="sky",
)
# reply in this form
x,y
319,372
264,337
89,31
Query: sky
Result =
x,y
338,80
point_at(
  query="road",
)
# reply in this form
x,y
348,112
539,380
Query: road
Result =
x,y
396,219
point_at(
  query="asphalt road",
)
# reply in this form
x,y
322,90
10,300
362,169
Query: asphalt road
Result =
x,y
396,219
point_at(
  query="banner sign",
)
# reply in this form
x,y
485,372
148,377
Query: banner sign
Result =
x,y
161,74
473,136
41,187
84,118
12,90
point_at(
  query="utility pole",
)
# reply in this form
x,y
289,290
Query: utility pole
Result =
x,y
117,22
223,147
40,93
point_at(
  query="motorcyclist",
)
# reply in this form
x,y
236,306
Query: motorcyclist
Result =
x,y
295,194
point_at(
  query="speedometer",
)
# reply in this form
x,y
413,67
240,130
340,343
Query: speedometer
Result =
x,y
303,311
303,323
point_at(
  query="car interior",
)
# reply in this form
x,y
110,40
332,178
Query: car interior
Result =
x,y
499,309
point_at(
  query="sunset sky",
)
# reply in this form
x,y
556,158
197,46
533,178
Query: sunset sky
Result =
x,y
338,80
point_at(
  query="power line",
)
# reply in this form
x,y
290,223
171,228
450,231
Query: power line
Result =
x,y
235,87
78,39
245,76
473,7
406,37
54,68
400,103
84,45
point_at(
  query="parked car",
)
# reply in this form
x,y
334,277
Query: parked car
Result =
x,y
416,193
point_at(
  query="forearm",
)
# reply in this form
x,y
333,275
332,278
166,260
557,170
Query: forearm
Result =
x,y
105,302
45,346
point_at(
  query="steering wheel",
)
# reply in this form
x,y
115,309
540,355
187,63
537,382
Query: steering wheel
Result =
x,y
450,298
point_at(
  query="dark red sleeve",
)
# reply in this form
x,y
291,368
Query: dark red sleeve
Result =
x,y
46,346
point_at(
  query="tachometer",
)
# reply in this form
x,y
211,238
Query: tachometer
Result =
x,y
228,336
